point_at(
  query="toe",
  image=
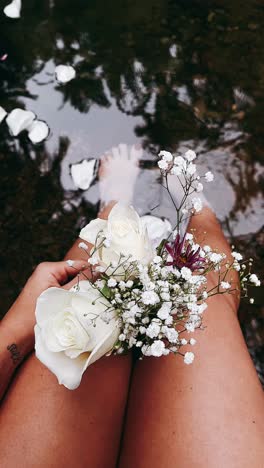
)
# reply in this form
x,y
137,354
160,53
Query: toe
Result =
x,y
123,151
136,152
115,152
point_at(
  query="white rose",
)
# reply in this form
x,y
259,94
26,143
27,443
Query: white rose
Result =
x,y
157,229
65,339
126,233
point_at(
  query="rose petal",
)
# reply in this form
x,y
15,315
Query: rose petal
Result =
x,y
121,210
157,229
49,301
90,232
64,73
83,173
68,371
3,113
19,120
38,131
13,9
104,347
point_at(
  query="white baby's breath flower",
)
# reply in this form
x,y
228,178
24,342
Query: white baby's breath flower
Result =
x,y
209,176
237,256
215,257
190,327
150,298
100,283
153,329
186,273
184,341
199,187
171,334
179,161
197,204
190,155
188,357
93,260
225,285
129,284
111,283
163,165
163,312
157,348
254,279
191,169
166,155
165,296
207,248
205,295
251,300
192,341
157,259
169,320
176,170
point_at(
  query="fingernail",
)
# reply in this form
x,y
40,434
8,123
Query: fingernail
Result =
x,y
70,262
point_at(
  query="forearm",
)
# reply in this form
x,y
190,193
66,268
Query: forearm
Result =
x,y
16,340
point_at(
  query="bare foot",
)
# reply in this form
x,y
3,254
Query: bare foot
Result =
x,y
118,173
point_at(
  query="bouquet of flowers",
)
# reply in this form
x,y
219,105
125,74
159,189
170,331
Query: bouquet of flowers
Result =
x,y
147,288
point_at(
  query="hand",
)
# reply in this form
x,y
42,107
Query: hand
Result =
x,y
52,274
19,322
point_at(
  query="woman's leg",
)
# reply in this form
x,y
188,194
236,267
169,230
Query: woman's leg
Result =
x,y
42,424
209,414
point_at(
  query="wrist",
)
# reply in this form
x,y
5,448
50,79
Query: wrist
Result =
x,y
18,324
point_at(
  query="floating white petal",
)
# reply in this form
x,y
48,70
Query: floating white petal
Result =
x,y
3,113
65,73
38,131
83,173
19,120
13,9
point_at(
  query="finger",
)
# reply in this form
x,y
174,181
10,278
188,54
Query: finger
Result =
x,y
82,275
65,270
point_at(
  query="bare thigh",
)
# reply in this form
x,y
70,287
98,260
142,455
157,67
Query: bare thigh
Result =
x,y
42,424
210,414
206,415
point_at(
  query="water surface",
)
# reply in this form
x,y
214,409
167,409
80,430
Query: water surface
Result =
x,y
167,74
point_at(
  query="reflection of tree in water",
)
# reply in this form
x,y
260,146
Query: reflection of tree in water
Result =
x,y
175,66
38,219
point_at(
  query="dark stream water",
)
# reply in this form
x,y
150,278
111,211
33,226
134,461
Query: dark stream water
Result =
x,y
167,74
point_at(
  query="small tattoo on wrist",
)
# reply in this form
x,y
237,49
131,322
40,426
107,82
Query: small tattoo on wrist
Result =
x,y
15,353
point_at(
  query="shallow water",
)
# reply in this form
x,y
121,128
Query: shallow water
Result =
x,y
167,74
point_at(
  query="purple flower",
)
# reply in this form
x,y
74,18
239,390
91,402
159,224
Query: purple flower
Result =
x,y
183,254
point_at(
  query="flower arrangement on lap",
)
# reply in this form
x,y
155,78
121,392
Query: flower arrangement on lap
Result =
x,y
146,289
